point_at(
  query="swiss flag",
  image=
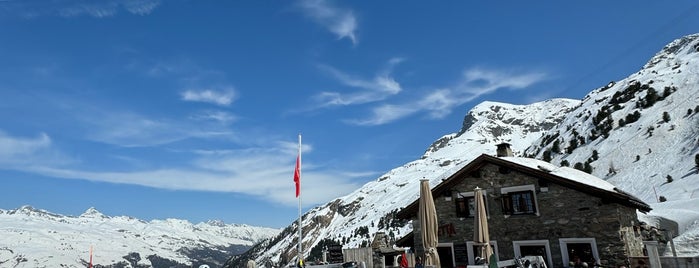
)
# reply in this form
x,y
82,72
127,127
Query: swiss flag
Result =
x,y
297,175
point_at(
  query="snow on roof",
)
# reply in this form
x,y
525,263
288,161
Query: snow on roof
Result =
x,y
564,172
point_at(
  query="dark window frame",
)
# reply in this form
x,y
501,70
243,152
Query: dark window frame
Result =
x,y
519,203
464,204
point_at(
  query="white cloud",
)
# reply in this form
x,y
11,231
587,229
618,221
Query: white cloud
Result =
x,y
20,152
128,129
74,8
263,172
199,84
221,97
218,116
15,147
440,102
481,81
379,88
339,21
384,114
141,7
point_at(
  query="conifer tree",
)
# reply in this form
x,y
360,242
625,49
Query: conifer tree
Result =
x,y
572,145
587,168
547,156
622,122
556,148
651,97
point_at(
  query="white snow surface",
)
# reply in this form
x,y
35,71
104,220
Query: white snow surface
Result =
x,y
564,172
46,239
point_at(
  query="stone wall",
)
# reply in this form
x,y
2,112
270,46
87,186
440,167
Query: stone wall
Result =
x,y
562,213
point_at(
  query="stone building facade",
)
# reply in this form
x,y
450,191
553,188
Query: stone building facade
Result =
x,y
534,208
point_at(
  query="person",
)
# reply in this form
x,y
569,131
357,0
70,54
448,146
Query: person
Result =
x,y
418,263
578,263
403,261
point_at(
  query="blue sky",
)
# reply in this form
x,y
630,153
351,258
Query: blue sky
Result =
x,y
191,109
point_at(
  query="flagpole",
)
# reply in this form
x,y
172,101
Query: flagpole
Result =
x,y
300,251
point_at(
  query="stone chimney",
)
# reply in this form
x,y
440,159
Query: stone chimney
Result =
x,y
504,150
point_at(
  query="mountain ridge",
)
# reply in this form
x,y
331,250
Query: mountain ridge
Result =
x,y
38,238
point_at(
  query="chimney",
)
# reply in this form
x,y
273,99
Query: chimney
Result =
x,y
504,150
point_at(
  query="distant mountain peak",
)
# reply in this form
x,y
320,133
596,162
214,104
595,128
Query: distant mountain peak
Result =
x,y
31,211
219,223
677,48
92,213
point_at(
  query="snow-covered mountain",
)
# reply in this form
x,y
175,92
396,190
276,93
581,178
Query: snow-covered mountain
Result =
x,y
31,237
640,133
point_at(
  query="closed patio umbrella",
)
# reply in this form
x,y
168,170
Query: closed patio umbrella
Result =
x,y
427,215
481,236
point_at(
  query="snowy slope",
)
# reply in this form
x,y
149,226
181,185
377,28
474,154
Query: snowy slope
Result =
x,y
636,155
32,237
654,157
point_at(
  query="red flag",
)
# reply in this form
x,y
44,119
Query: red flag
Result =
x,y
297,175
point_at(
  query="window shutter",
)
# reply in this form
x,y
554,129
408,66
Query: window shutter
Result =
x,y
531,194
506,204
461,209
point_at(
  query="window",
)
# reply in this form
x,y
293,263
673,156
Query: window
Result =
x,y
533,248
466,204
473,251
575,250
465,207
519,200
519,203
446,254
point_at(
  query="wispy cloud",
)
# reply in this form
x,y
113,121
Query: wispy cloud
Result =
x,y
129,129
340,21
379,88
217,116
74,8
199,84
219,97
20,152
265,172
440,102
